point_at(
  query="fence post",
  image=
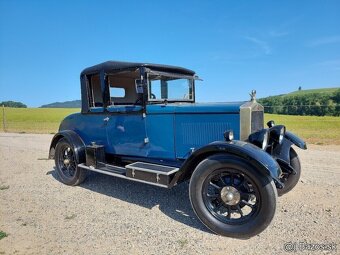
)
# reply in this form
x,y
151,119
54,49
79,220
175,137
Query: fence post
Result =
x,y
3,118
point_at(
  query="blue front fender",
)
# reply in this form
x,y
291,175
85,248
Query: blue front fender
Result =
x,y
260,159
296,140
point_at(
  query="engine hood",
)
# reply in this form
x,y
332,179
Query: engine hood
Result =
x,y
195,108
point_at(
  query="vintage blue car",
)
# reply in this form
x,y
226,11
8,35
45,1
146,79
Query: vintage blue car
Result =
x,y
140,122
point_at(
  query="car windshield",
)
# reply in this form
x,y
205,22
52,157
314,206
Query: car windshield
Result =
x,y
162,88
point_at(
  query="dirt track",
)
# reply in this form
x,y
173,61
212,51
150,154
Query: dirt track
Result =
x,y
107,215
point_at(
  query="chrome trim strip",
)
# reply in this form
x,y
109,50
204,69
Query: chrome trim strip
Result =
x,y
151,171
120,175
117,167
245,121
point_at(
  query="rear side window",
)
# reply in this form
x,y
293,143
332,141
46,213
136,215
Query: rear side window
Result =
x,y
117,92
94,91
123,88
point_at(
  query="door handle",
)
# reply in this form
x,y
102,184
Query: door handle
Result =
x,y
106,119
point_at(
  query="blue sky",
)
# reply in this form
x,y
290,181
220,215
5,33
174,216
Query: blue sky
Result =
x,y
235,46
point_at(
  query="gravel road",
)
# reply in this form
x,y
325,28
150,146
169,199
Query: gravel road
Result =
x,y
107,215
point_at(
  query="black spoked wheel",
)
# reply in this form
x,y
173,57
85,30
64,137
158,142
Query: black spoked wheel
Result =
x,y
66,161
66,164
288,179
231,198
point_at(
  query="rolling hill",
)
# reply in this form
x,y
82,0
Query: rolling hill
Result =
x,y
66,104
319,102
310,91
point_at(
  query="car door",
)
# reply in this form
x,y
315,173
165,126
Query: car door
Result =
x,y
125,121
160,131
90,125
125,130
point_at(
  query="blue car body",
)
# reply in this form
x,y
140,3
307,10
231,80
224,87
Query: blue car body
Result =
x,y
140,122
144,124
170,132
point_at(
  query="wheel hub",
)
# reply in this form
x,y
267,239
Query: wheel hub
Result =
x,y
230,195
66,161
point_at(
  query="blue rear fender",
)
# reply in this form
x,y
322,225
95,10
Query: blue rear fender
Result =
x,y
74,139
263,162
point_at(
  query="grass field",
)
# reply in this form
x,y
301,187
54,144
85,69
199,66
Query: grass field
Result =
x,y
316,130
34,120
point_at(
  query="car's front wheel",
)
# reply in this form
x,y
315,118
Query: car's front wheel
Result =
x,y
231,198
67,165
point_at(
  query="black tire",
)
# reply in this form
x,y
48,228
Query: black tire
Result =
x,y
248,183
290,180
67,165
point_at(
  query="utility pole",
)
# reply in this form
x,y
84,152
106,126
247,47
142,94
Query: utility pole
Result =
x,y
3,118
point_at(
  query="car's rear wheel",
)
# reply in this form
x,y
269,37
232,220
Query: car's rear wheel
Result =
x,y
67,165
288,179
231,198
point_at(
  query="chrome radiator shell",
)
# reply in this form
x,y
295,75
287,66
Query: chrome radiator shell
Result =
x,y
251,118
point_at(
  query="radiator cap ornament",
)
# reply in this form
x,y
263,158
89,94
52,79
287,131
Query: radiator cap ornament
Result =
x,y
253,95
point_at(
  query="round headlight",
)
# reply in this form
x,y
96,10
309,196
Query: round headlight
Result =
x,y
277,133
282,133
271,123
265,141
229,135
260,138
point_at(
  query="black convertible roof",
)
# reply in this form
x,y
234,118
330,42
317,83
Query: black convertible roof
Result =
x,y
119,65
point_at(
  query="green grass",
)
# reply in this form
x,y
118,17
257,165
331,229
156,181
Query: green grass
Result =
x,y
182,242
314,129
70,217
34,120
3,187
3,234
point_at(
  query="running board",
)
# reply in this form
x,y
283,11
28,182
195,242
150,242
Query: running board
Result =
x,y
153,174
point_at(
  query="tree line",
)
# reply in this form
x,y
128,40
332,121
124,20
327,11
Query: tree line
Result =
x,y
13,104
319,104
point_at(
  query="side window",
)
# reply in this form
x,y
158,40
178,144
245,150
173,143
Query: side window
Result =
x,y
122,89
95,93
117,92
155,89
175,89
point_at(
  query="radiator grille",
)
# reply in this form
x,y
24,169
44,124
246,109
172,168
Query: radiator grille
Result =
x,y
203,132
251,118
256,121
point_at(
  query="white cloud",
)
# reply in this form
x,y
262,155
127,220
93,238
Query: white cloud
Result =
x,y
274,33
324,40
263,45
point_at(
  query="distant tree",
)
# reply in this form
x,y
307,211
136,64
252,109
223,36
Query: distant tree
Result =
x,y
13,104
300,88
319,104
336,97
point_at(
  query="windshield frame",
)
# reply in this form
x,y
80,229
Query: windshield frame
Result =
x,y
190,78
